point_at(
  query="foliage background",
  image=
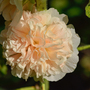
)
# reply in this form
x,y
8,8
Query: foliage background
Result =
x,y
80,78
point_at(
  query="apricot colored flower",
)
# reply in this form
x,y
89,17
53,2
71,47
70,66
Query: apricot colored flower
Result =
x,y
10,8
41,45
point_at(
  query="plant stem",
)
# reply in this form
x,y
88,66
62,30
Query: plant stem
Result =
x,y
83,47
45,85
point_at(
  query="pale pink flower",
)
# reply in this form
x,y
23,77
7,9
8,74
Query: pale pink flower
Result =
x,y
10,8
41,45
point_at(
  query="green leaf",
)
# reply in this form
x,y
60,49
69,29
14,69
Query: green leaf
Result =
x,y
29,5
26,1
32,1
87,8
41,5
27,88
18,4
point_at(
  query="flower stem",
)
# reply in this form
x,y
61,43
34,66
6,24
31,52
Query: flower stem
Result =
x,y
45,85
41,5
83,47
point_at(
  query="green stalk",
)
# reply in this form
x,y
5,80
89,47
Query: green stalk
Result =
x,y
83,47
45,85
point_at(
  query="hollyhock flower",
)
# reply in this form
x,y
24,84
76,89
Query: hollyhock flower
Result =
x,y
11,8
41,45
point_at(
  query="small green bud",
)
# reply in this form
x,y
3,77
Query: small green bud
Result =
x,y
87,8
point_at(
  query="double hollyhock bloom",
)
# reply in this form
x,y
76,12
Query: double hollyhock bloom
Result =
x,y
41,45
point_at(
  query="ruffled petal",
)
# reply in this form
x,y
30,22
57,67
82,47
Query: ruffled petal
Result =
x,y
40,45
55,77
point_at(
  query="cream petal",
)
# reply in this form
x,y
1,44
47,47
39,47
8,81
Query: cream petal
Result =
x,y
6,11
52,55
22,26
75,37
70,64
53,12
43,18
36,55
9,53
64,18
16,18
37,42
12,12
3,4
27,15
19,33
55,77
44,54
40,45
16,72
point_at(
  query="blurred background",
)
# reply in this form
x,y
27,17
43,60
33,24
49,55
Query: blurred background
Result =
x,y
80,78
